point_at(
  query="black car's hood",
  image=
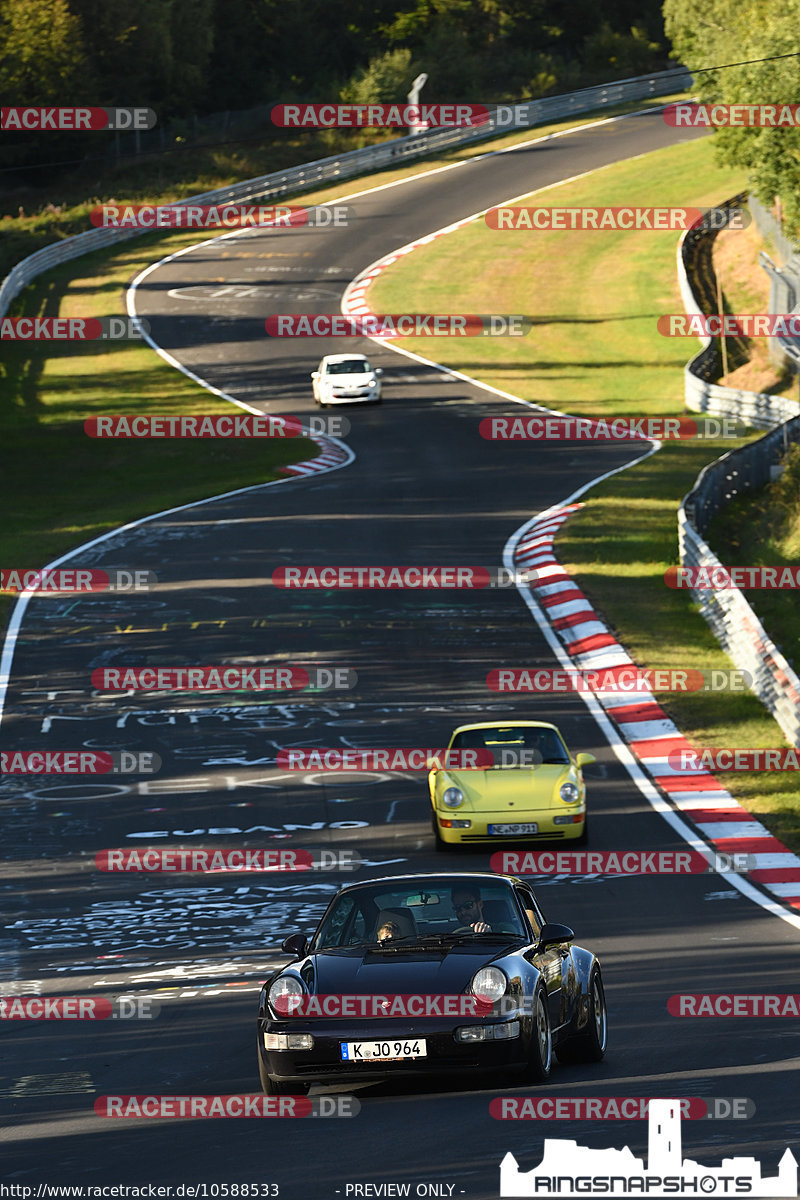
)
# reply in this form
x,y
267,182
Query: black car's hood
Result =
x,y
366,971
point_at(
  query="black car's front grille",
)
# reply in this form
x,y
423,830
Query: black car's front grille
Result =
x,y
454,1063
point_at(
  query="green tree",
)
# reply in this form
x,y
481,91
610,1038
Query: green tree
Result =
x,y
42,54
725,34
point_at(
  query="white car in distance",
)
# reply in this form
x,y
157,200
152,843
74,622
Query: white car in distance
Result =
x,y
346,379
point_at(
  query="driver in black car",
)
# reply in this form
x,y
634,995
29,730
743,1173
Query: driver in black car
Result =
x,y
468,908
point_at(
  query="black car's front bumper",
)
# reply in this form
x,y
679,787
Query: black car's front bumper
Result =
x,y
444,1054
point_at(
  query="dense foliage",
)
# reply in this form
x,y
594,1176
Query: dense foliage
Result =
x,y
193,57
716,34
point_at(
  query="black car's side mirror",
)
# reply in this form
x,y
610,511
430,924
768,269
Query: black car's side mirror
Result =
x,y
296,944
553,934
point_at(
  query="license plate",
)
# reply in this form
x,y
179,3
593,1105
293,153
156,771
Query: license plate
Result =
x,y
531,827
388,1051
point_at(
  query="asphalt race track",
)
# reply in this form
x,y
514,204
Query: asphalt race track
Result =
x,y
424,488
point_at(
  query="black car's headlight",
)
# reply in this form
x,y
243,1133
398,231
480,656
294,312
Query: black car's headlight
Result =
x,y
490,983
452,797
285,994
568,792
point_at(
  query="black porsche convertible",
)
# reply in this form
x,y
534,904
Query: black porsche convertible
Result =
x,y
429,974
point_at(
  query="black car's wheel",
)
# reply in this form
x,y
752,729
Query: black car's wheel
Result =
x,y
589,1046
540,1058
274,1087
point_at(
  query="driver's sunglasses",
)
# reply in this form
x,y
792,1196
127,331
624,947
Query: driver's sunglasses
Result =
x,y
464,906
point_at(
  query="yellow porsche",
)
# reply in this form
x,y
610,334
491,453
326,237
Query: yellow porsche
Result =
x,y
527,785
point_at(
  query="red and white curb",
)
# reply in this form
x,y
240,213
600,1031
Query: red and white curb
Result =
x,y
333,455
643,725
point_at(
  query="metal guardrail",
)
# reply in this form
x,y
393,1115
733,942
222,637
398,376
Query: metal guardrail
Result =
x,y
697,282
354,162
733,621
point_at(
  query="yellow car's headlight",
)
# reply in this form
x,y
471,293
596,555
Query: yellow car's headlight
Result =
x,y
568,793
452,797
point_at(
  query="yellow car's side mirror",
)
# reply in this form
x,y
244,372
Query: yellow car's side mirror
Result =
x,y
583,760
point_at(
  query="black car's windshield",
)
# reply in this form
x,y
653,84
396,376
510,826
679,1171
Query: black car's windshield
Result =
x,y
352,366
514,745
434,911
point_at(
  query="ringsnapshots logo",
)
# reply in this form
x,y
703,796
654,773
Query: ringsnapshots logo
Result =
x,y
397,325
604,429
224,679
221,861
79,762
75,120
615,218
570,1170
546,680
73,329
689,115
73,581
408,578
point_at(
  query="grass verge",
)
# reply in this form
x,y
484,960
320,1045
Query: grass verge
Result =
x,y
594,350
61,488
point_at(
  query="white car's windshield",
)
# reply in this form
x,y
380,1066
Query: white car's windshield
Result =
x,y
352,366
